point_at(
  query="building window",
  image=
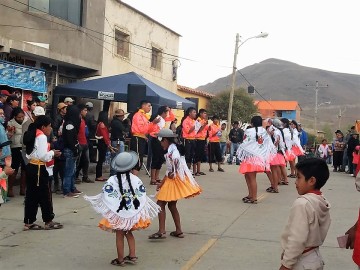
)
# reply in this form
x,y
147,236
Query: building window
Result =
x,y
68,10
156,58
122,41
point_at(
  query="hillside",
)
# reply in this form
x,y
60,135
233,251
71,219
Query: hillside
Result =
x,y
276,79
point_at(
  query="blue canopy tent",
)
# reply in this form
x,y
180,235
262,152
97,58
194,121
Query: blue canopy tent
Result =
x,y
115,88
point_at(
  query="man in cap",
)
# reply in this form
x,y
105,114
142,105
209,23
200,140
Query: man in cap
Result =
x,y
117,134
59,163
338,151
41,101
345,161
3,96
59,118
91,125
68,101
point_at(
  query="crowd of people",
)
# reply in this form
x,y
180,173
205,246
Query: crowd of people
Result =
x,y
51,154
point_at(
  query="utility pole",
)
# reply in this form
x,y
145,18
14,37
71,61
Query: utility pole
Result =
x,y
233,83
317,86
340,115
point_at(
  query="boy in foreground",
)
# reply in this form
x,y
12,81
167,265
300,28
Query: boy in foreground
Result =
x,y
309,218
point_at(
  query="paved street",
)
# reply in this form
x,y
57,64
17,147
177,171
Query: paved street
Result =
x,y
221,231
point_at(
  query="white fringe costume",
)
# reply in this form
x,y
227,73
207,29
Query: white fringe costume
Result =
x,y
255,154
107,203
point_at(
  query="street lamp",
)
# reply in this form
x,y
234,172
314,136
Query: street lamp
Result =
x,y
237,46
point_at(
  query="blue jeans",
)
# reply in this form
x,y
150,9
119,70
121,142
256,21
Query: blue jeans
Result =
x,y
233,149
121,148
222,149
69,171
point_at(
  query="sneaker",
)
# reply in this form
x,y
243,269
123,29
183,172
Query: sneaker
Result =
x,y
71,195
87,180
77,192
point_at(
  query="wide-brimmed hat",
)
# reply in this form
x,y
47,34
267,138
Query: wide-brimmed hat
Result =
x,y
277,123
166,133
124,161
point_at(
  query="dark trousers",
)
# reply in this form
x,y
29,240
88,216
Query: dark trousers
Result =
x,y
350,164
37,194
190,146
200,150
338,159
157,154
83,161
102,148
17,159
59,166
138,145
214,152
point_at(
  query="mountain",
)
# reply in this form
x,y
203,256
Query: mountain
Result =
x,y
277,79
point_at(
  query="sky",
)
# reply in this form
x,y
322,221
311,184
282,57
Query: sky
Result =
x,y
313,33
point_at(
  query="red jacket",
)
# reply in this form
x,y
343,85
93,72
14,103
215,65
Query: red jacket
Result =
x,y
102,131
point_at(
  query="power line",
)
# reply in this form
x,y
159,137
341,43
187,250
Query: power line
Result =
x,y
97,32
255,89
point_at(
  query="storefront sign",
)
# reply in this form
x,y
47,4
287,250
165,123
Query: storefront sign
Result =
x,y
106,95
22,77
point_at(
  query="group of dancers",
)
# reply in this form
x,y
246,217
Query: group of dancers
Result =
x,y
267,150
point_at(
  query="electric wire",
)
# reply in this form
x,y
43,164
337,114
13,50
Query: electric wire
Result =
x,y
97,32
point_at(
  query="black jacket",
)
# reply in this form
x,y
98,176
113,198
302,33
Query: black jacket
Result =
x,y
117,130
57,124
91,124
236,135
71,129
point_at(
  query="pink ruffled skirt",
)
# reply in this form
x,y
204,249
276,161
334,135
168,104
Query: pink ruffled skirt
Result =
x,y
297,150
253,164
278,160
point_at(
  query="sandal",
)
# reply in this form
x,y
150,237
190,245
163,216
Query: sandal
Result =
x,y
116,262
221,170
158,181
53,226
211,170
197,174
152,183
283,183
202,173
246,198
157,236
269,189
131,260
273,190
33,227
178,235
251,201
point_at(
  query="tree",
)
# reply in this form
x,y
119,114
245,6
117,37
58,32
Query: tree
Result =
x,y
243,105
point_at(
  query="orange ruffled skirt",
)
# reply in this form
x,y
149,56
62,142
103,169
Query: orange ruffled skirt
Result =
x,y
176,189
278,160
105,225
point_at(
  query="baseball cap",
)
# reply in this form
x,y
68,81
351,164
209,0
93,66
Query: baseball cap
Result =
x,y
61,105
68,99
4,93
39,111
89,104
41,98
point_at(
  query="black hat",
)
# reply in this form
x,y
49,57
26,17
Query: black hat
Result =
x,y
5,144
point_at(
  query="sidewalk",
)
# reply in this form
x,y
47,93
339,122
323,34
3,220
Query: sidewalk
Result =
x,y
221,232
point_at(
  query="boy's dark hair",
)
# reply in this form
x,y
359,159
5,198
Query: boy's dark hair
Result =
x,y
324,140
143,102
314,167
